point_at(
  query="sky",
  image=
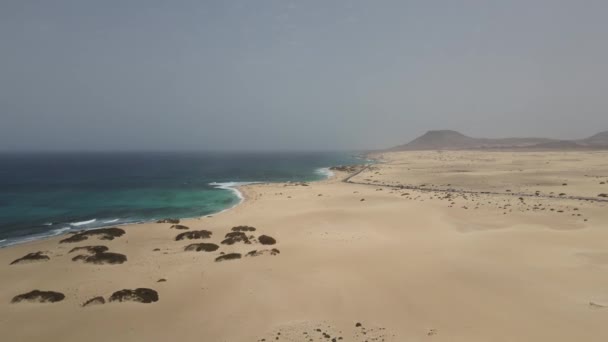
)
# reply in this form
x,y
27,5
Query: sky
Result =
x,y
296,75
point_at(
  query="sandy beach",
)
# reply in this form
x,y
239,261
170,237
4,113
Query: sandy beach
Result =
x,y
423,246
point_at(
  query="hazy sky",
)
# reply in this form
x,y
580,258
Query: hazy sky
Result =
x,y
315,75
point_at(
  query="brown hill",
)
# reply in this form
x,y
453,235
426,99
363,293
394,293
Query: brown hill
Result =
x,y
452,140
598,140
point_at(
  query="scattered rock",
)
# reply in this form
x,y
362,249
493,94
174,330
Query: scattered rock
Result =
x,y
94,301
103,258
161,280
229,256
31,257
90,249
195,234
266,240
202,247
103,234
243,229
168,220
179,226
255,253
140,295
40,297
234,237
346,168
602,195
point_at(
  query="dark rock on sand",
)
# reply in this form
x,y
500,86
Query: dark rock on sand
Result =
x,y
266,240
168,220
602,195
161,280
90,249
202,247
98,255
31,257
103,258
346,168
94,301
39,296
243,229
234,237
140,295
179,226
229,256
103,234
195,234
255,253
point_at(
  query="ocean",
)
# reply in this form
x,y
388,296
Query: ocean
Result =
x,y
47,194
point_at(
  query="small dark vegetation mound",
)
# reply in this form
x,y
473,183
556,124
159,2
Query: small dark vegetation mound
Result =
x,y
255,253
195,234
103,258
234,237
140,295
40,297
602,195
229,256
98,255
202,247
36,256
168,220
345,168
179,226
266,240
90,249
243,229
103,234
94,301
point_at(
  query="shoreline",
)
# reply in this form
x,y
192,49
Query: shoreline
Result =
x,y
233,187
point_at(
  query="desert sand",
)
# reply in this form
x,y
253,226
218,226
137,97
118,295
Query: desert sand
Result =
x,y
424,246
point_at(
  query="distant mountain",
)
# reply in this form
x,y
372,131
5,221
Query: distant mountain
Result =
x,y
600,139
452,140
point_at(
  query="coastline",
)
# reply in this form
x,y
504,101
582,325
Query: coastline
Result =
x,y
234,187
351,257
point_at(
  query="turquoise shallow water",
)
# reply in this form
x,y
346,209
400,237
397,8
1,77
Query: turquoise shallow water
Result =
x,y
48,194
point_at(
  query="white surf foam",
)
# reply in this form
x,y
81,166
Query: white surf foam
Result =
x,y
82,223
17,241
325,172
60,231
111,221
231,186
48,224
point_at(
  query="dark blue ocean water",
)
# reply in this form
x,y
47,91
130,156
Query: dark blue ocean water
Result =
x,y
47,194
